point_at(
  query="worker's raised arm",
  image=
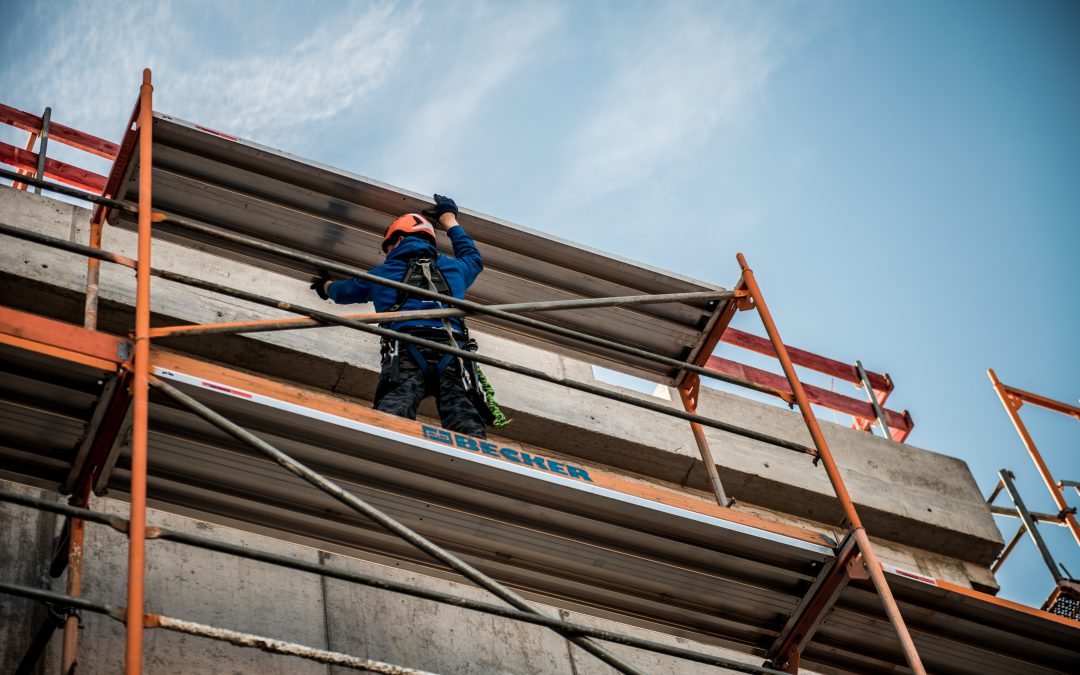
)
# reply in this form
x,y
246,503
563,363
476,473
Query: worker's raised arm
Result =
x,y
465,251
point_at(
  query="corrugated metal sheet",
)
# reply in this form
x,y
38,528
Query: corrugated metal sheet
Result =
x,y
955,631
584,546
320,210
45,405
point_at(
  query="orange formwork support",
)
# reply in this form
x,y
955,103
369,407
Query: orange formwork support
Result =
x,y
689,386
862,541
29,148
93,274
140,392
58,132
49,336
1012,399
61,171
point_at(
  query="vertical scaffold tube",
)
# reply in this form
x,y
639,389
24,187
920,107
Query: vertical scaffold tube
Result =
x,y
70,651
877,576
93,274
75,564
75,552
1056,493
140,391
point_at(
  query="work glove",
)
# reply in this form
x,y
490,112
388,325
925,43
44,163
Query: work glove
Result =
x,y
442,205
318,284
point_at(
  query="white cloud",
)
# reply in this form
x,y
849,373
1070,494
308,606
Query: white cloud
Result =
x,y
496,44
668,96
278,94
88,60
92,55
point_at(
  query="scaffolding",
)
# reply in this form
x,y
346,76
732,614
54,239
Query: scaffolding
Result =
x,y
1065,598
851,560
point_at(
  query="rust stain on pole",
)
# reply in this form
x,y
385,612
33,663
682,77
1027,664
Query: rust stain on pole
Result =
x,y
74,589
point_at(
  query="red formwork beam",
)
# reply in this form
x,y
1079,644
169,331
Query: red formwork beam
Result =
x,y
882,385
900,424
801,357
866,424
57,170
31,123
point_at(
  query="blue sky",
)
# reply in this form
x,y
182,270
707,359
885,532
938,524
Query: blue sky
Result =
x,y
902,176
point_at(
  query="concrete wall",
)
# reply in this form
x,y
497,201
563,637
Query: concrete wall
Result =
x,y
244,595
923,508
906,495
26,541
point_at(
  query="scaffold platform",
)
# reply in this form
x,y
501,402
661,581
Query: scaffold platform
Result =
x,y
83,411
542,523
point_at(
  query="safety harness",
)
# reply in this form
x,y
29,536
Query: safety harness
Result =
x,y
424,273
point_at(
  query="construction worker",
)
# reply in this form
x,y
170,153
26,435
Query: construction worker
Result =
x,y
410,373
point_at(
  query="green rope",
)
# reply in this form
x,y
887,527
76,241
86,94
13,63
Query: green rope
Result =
x,y
489,396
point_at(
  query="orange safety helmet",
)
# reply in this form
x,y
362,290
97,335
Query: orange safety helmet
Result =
x,y
410,223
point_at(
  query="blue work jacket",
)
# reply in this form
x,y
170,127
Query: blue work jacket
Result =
x,y
460,272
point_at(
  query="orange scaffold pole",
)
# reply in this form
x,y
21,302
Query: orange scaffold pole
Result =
x,y
140,392
877,576
1012,400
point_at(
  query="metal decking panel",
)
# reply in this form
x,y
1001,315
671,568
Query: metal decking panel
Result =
x,y
45,405
721,581
552,536
532,556
955,630
276,197
616,555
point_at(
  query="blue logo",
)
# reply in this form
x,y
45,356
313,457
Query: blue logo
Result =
x,y
509,454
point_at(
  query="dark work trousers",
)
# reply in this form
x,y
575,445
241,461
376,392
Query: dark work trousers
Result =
x,y
402,395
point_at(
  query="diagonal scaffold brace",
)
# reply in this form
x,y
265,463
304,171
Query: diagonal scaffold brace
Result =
x,y
389,523
862,540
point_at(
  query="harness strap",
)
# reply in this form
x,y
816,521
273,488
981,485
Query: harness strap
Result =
x,y
393,348
425,267
415,275
422,273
